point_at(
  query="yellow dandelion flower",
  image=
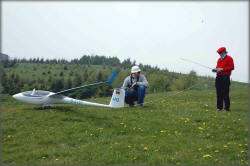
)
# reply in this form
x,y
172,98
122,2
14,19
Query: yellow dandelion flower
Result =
x,y
122,123
134,158
91,134
116,143
57,159
125,126
225,146
203,123
200,149
242,151
245,144
216,151
156,150
129,146
163,131
145,148
207,156
10,136
206,110
208,134
200,128
240,145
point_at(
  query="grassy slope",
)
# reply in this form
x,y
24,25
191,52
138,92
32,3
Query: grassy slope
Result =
x,y
180,129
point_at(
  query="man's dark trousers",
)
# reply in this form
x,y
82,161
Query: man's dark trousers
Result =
x,y
135,95
222,84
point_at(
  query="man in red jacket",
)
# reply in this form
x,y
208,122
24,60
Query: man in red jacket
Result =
x,y
224,67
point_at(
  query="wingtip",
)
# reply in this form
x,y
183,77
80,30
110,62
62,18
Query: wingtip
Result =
x,y
111,79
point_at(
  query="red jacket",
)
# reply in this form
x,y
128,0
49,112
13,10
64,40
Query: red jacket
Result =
x,y
227,64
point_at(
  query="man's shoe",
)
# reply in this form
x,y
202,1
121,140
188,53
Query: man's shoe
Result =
x,y
139,106
219,109
131,105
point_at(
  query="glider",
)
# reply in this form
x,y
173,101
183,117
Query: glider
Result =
x,y
46,98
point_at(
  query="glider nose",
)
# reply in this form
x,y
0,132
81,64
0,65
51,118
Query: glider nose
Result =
x,y
16,96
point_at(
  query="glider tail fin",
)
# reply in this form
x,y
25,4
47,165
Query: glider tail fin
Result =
x,y
117,100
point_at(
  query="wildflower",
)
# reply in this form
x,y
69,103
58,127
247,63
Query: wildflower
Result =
x,y
156,150
216,151
125,126
208,134
242,151
10,136
204,123
57,159
207,156
91,134
116,143
200,149
245,144
134,158
122,123
225,146
129,146
240,145
145,148
44,157
206,110
200,128
153,136
163,131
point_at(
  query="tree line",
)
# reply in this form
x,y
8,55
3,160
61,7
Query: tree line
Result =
x,y
84,60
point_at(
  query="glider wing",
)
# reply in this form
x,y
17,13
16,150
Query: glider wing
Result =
x,y
111,79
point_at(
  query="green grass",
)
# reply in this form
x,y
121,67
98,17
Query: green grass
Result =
x,y
169,129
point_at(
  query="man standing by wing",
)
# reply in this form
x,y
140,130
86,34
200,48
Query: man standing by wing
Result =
x,y
224,67
135,87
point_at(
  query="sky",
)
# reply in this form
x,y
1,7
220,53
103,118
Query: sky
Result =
x,y
155,33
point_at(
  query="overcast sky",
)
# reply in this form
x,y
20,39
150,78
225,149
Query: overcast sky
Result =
x,y
155,33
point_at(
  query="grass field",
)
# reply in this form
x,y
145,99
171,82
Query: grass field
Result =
x,y
170,129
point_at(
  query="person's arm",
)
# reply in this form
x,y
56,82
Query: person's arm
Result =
x,y
125,83
143,81
230,65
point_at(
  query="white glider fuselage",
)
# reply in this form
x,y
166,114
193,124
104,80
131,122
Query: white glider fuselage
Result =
x,y
47,98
